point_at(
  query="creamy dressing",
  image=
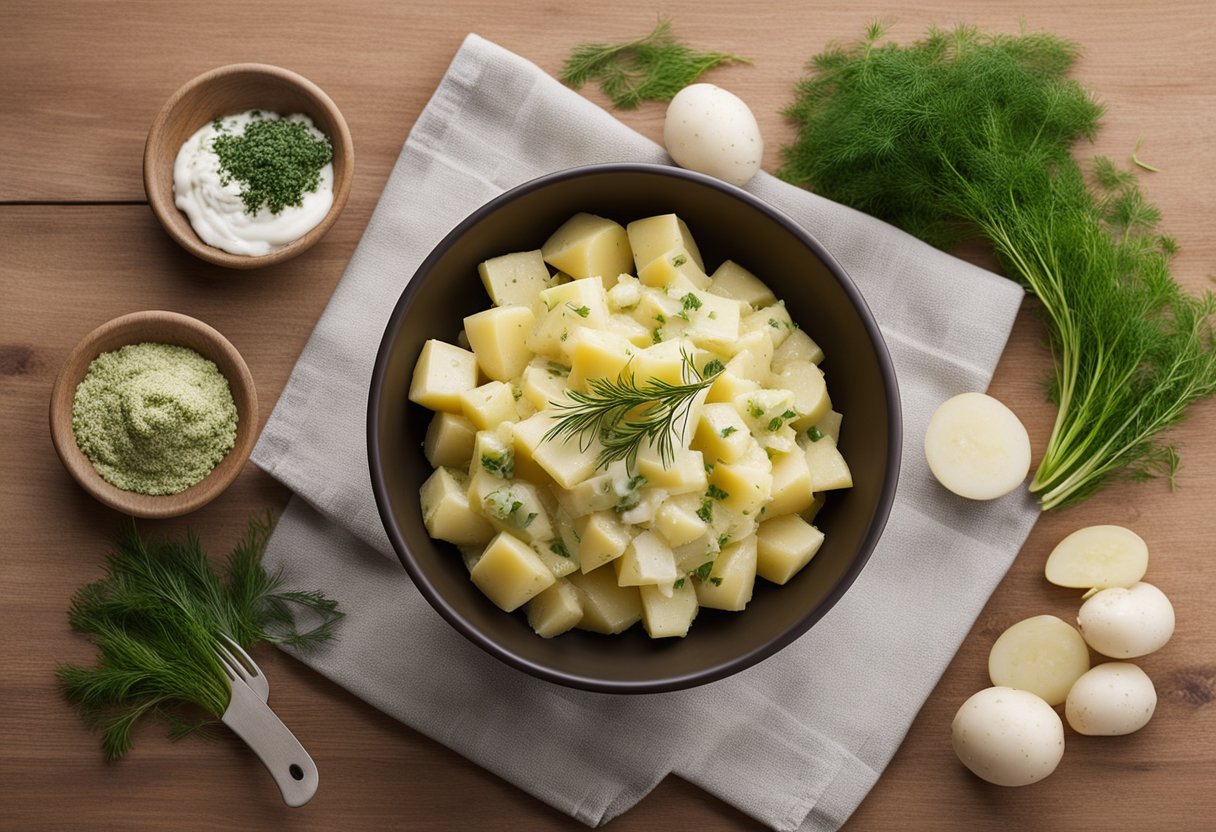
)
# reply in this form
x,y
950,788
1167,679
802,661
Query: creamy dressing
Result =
x,y
216,211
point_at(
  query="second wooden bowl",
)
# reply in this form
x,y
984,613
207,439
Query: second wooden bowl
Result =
x,y
160,328
234,89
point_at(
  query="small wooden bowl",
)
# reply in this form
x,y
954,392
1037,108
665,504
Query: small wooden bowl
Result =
x,y
224,91
160,328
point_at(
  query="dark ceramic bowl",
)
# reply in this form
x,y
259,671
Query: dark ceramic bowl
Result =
x,y
726,223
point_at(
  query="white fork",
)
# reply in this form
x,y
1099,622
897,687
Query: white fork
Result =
x,y
251,719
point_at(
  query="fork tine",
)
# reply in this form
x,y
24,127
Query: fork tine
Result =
x,y
247,669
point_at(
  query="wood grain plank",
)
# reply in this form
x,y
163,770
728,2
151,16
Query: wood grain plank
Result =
x,y
83,80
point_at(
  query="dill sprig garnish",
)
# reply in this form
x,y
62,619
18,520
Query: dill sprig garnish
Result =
x,y
971,134
653,68
623,414
155,618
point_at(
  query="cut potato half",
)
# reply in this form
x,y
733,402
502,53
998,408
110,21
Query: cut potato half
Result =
x,y
977,447
1042,655
1098,556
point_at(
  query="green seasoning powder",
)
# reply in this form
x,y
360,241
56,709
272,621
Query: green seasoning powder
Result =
x,y
276,161
154,418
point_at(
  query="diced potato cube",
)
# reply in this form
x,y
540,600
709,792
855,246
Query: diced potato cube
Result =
x,y
721,434
449,441
489,405
694,554
597,354
747,482
798,348
631,330
792,492
442,373
666,362
733,577
829,425
728,386
752,356
498,336
678,522
562,458
493,453
672,267
684,473
650,237
649,500
828,469
766,412
510,506
589,246
647,560
562,311
774,320
784,545
665,617
733,281
810,391
446,512
593,494
603,537
544,382
715,323
607,607
515,279
509,572
555,610
555,554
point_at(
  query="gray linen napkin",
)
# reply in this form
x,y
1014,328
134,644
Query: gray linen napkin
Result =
x,y
796,741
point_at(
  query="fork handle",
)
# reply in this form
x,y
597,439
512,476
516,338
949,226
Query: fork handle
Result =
x,y
252,720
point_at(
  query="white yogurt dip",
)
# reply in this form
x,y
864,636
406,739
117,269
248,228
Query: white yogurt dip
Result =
x,y
216,210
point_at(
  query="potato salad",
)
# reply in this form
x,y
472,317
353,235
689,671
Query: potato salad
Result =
x,y
624,437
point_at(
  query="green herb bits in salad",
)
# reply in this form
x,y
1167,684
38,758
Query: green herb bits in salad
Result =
x,y
254,182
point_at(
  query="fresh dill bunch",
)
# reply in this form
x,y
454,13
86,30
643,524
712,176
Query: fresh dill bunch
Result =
x,y
155,618
653,68
623,415
967,134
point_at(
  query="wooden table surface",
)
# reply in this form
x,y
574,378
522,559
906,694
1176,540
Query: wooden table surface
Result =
x,y
81,83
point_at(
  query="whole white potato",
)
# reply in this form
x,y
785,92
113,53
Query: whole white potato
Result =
x,y
1125,623
1111,699
1008,737
712,131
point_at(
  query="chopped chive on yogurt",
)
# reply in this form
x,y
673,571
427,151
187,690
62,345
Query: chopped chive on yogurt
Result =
x,y
254,182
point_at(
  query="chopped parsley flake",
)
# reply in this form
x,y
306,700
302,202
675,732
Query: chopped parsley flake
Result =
x,y
679,260
774,323
499,466
709,467
713,315
704,569
713,368
723,540
716,493
528,520
706,511
716,581
691,301
754,408
556,369
558,547
775,424
661,318
678,584
728,430
657,336
815,433
581,311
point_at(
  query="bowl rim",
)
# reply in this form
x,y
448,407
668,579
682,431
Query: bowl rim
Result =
x,y
721,669
150,506
178,226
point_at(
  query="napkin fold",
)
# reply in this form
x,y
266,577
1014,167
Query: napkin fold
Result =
x,y
796,741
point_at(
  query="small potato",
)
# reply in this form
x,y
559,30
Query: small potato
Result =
x,y
1110,700
1042,655
1126,623
1098,556
1008,737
